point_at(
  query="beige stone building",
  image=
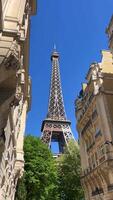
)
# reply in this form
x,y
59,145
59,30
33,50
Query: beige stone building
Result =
x,y
109,31
94,113
14,89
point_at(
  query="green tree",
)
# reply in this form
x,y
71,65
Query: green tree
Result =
x,y
40,171
46,178
21,192
69,174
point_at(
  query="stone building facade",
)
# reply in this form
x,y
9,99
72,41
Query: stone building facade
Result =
x,y
15,86
94,113
109,32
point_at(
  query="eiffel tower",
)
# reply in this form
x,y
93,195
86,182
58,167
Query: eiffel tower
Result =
x,y
56,127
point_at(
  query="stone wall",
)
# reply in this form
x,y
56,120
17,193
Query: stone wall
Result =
x,y
94,115
14,90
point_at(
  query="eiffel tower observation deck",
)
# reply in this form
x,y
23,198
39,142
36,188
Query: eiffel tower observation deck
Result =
x,y
56,127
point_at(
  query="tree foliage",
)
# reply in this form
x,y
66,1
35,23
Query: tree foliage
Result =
x,y
69,174
21,192
46,178
40,171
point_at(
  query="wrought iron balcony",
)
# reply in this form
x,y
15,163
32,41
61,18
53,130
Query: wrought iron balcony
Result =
x,y
110,187
86,106
90,147
106,156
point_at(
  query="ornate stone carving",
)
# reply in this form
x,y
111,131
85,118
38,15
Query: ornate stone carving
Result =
x,y
95,130
14,42
12,61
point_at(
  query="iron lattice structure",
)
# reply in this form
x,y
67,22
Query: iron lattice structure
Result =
x,y
56,127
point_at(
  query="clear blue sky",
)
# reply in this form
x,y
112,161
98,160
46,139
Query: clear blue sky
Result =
x,y
78,29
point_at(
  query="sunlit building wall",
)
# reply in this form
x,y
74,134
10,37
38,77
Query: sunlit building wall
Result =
x,y
15,87
94,114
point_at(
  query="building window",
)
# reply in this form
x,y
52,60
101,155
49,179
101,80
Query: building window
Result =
x,y
93,161
97,191
97,129
98,133
94,115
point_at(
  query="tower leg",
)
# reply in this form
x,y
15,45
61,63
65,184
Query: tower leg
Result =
x,y
46,137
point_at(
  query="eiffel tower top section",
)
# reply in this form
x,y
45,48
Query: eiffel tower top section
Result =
x,y
56,110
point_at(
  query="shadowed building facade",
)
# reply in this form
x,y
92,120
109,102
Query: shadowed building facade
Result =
x,y
14,90
94,113
56,127
109,32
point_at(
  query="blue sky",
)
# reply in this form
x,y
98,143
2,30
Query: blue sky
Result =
x,y
77,27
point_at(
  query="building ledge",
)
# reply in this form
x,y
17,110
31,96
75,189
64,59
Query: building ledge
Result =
x,y
105,161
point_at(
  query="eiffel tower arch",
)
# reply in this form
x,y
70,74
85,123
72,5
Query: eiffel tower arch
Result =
x,y
56,127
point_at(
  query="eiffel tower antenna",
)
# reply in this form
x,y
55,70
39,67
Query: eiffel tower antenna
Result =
x,y
54,47
56,127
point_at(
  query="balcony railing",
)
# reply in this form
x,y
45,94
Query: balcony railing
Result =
x,y
90,147
86,106
107,154
89,123
110,187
